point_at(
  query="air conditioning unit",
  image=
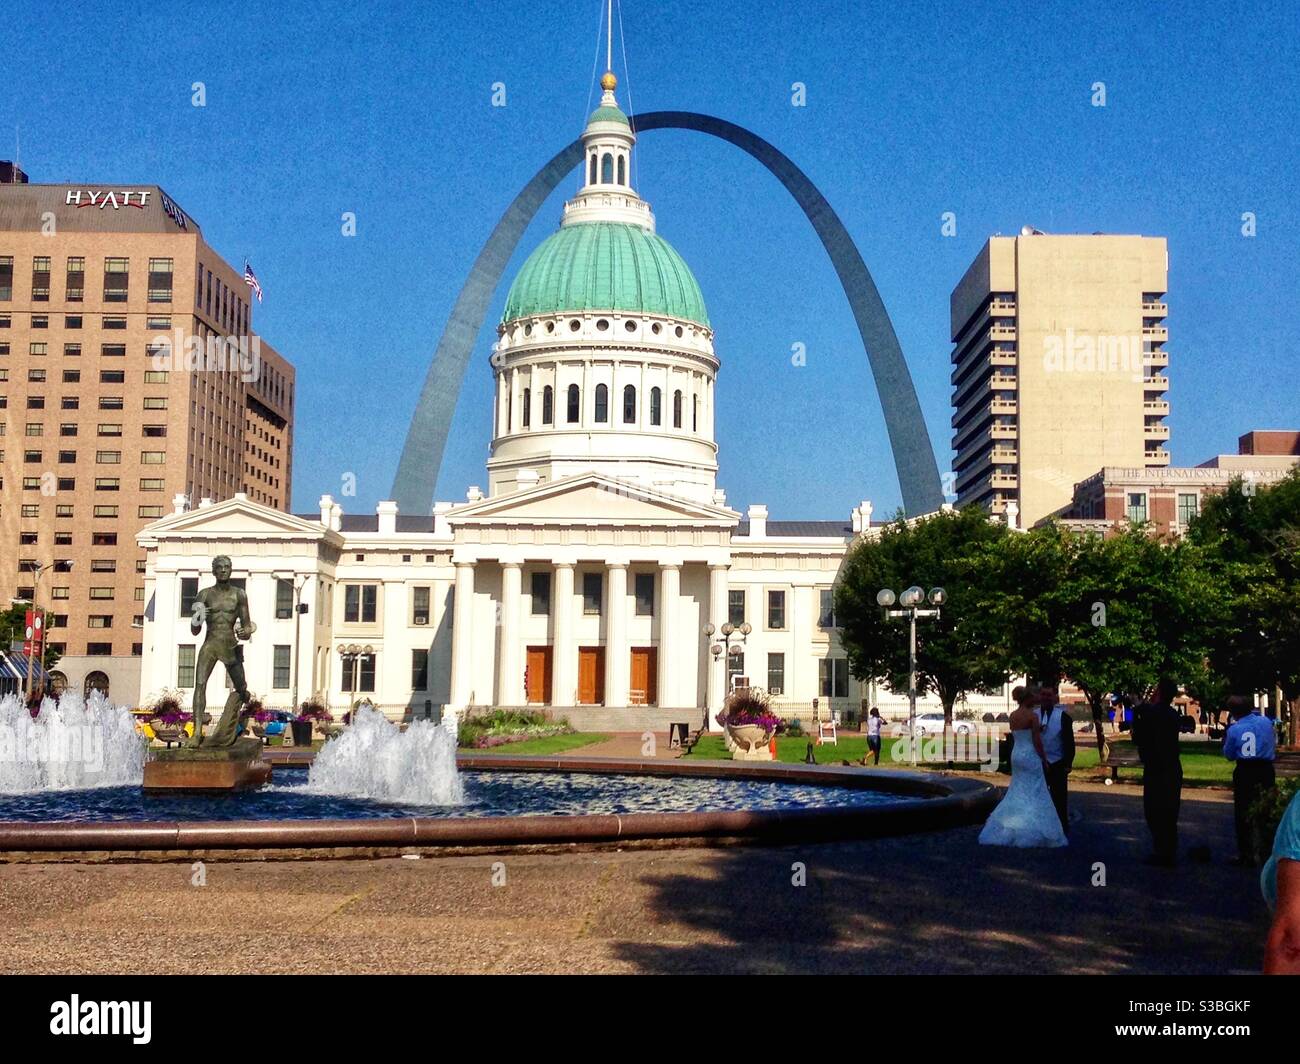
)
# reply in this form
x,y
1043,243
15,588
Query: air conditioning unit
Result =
x,y
421,618
774,691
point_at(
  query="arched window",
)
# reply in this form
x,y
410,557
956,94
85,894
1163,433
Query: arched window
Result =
x,y
677,409
528,407
695,414
593,169
602,404
575,405
548,406
629,405
656,402
607,169
96,681
621,171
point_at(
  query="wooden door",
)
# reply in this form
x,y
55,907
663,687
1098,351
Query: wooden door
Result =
x,y
591,676
539,676
645,672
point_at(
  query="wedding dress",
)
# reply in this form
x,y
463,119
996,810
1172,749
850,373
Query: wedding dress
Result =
x,y
1026,815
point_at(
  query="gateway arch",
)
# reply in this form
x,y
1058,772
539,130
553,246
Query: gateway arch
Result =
x,y
426,439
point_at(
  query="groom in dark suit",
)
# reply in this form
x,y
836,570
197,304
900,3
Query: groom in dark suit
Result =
x,y
1058,745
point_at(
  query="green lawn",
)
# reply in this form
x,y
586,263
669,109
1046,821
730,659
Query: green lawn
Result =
x,y
1203,763
549,744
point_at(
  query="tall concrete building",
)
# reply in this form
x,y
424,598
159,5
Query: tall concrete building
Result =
x,y
1059,367
129,375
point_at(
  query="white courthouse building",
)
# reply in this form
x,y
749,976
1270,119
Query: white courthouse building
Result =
x,y
583,580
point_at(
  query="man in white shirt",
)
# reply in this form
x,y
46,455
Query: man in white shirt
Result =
x,y
1058,745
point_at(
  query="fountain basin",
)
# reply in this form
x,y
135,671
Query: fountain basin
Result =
x,y
207,770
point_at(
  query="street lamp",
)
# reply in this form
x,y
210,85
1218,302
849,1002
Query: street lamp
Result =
x,y
37,635
912,600
731,645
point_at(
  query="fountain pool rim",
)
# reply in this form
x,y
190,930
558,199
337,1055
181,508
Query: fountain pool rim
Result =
x,y
930,802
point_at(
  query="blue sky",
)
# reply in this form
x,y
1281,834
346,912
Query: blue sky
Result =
x,y
913,109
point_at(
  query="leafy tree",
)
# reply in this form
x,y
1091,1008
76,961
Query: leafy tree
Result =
x,y
1113,614
956,653
1250,541
13,628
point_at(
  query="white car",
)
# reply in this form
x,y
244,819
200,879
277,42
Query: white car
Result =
x,y
932,724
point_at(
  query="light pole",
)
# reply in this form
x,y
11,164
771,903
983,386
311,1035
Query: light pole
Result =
x,y
911,602
37,637
726,649
299,608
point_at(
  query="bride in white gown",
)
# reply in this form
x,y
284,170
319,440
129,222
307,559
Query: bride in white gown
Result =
x,y
1026,815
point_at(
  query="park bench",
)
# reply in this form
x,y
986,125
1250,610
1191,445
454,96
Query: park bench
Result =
x,y
1115,762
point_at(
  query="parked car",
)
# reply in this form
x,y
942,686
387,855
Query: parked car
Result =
x,y
932,724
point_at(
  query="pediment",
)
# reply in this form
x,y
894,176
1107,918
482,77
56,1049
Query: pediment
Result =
x,y
233,517
591,499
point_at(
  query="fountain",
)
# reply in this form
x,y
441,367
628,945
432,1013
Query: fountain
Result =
x,y
71,745
376,760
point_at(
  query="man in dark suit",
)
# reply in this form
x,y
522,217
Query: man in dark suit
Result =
x,y
1058,745
1156,727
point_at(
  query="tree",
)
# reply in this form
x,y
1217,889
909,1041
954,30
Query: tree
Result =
x,y
956,653
1113,614
1250,541
13,627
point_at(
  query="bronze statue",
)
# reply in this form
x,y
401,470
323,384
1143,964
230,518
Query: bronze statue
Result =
x,y
225,608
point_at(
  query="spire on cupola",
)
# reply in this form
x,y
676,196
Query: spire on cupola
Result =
x,y
605,193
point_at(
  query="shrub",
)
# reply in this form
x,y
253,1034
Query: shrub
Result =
x,y
747,706
794,727
1266,814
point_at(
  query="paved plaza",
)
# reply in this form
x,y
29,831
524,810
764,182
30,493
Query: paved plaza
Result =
x,y
927,903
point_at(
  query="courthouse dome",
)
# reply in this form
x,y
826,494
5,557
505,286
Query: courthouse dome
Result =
x,y
610,266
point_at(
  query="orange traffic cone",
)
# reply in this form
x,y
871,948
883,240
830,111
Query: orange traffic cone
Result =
x,y
772,747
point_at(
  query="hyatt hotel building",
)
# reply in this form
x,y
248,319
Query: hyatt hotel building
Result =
x,y
122,386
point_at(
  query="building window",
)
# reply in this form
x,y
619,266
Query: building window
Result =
x,y
358,672
528,407
420,605
607,169
41,279
775,674
541,594
629,405
185,666
736,607
1188,507
656,406
677,410
602,404
116,280
644,585
776,610
695,413
160,280
833,677
283,599
189,594
280,667
575,405
1137,506
548,406
359,603
419,670
76,281
593,586
826,612
6,277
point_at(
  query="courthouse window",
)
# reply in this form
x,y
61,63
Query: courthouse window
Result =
x,y
645,594
833,676
184,666
776,609
359,603
541,594
419,670
775,674
280,667
736,607
592,592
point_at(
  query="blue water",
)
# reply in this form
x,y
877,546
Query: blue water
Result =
x,y
486,794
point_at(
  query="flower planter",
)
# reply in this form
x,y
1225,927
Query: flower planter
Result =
x,y
301,732
749,742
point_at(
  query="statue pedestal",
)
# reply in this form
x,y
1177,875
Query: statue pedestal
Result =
x,y
208,769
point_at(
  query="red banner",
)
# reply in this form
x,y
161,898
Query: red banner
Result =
x,y
34,634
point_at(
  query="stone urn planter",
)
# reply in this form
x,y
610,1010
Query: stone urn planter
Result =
x,y
749,742
168,733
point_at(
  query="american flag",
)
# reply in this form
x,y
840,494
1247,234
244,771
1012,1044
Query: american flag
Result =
x,y
250,279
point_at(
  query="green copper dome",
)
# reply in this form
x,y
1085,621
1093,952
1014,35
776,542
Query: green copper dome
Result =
x,y
608,114
605,266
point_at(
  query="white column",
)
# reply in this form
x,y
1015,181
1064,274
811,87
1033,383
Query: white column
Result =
x,y
618,659
564,651
669,586
510,674
462,637
717,617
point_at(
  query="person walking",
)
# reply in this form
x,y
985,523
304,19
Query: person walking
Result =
x,y
874,723
1251,743
1155,733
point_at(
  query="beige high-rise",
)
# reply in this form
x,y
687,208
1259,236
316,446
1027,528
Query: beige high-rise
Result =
x,y
120,390
1059,367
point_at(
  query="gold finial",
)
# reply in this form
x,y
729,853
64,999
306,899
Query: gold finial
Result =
x,y
608,82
